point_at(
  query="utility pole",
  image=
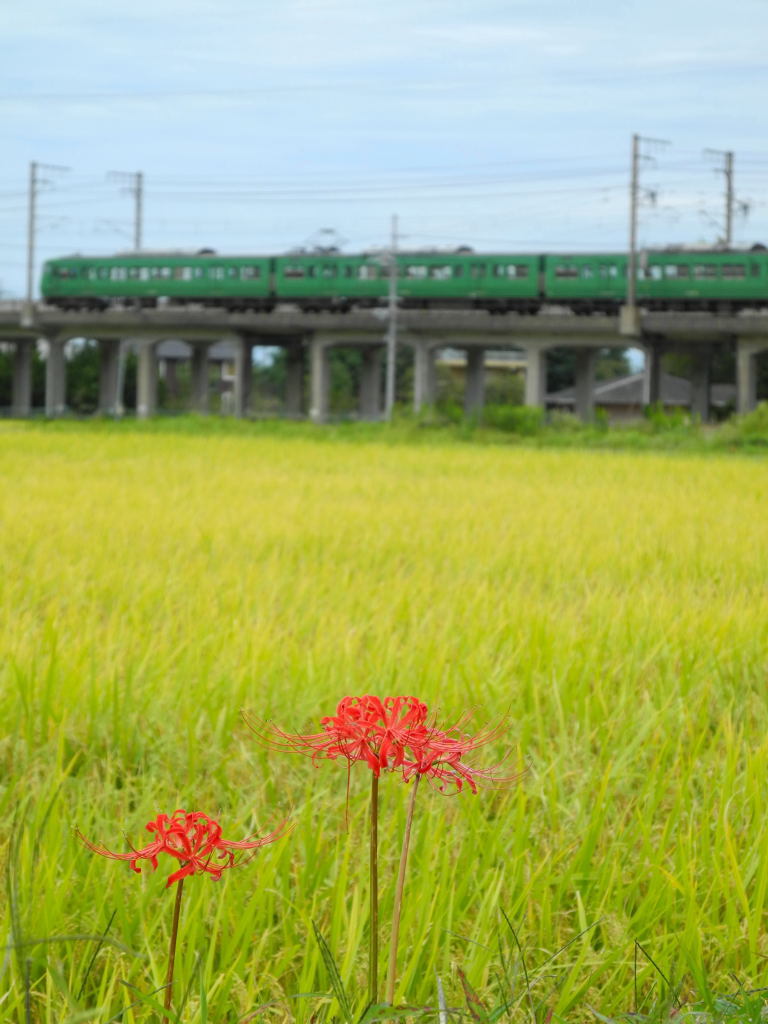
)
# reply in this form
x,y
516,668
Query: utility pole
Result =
x,y
135,188
629,317
391,322
35,182
634,188
31,222
727,171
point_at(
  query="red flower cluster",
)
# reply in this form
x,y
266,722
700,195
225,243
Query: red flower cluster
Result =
x,y
391,734
192,838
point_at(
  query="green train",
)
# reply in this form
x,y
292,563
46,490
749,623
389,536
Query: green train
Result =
x,y
710,280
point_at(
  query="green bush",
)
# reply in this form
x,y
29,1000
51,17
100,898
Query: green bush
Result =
x,y
524,420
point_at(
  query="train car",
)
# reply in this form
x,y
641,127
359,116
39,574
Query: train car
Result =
x,y
585,282
149,279
496,282
712,280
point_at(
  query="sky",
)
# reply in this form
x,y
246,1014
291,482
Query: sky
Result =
x,y
264,126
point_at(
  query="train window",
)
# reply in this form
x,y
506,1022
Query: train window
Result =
x,y
328,270
565,270
655,272
510,270
754,269
144,273
478,270
133,273
458,270
416,272
118,274
587,272
165,273
217,273
367,272
292,270
440,273
734,270
249,273
349,271
704,270
104,273
608,270
199,272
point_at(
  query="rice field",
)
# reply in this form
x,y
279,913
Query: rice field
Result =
x,y
612,606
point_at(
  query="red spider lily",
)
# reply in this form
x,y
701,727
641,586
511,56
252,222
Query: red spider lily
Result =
x,y
376,731
440,758
192,838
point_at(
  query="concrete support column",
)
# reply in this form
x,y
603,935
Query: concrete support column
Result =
x,y
243,376
652,374
700,382
319,381
109,376
746,375
424,379
370,384
146,384
22,378
169,371
294,380
199,378
535,376
584,386
474,382
55,378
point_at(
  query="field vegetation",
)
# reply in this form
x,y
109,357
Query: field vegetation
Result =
x,y
158,579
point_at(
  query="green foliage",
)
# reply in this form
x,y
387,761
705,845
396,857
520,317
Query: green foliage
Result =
x,y
523,420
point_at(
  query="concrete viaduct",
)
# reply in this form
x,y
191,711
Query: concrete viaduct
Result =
x,y
308,338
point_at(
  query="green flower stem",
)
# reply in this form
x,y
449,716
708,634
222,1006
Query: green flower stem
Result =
x,y
373,953
172,950
392,972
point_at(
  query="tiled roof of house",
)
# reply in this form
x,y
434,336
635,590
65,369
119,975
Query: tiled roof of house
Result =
x,y
628,391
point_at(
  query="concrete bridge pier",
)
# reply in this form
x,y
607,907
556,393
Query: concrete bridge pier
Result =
x,y
146,383
294,380
110,402
199,378
319,381
535,375
370,384
652,373
701,371
21,398
584,386
424,376
474,383
55,378
243,376
746,372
